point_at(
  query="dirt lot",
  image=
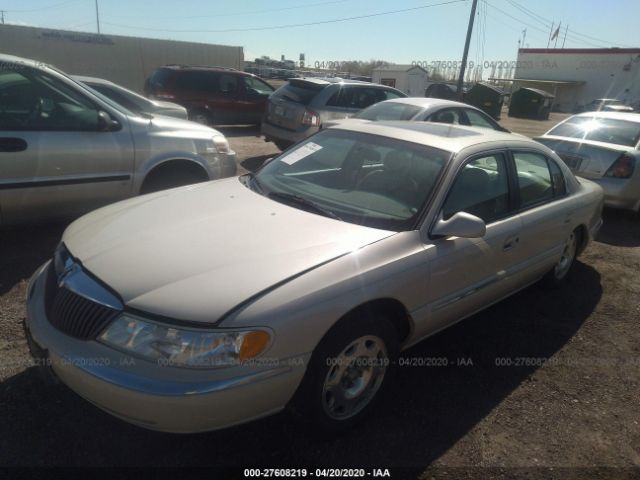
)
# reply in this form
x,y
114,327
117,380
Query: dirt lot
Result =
x,y
549,386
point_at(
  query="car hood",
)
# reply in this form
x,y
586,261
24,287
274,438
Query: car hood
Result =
x,y
195,252
181,127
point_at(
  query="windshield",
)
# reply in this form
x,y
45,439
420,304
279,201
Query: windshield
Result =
x,y
360,178
389,111
607,130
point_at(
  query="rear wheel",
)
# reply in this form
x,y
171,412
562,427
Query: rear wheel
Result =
x,y
348,373
561,270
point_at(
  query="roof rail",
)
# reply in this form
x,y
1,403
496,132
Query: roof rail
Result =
x,y
182,65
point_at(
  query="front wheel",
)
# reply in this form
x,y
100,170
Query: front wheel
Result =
x,y
348,373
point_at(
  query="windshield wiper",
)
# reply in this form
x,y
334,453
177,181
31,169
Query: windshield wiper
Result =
x,y
303,202
253,182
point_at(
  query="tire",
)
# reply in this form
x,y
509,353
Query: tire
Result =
x,y
167,180
200,116
345,378
559,273
282,145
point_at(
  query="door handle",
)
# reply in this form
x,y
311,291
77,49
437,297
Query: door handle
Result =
x,y
12,144
510,242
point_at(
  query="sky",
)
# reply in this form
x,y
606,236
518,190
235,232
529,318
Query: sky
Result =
x,y
397,31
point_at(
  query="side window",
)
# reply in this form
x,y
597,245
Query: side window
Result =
x,y
559,183
481,188
447,115
338,99
534,178
33,100
258,86
228,84
195,82
478,120
365,97
389,95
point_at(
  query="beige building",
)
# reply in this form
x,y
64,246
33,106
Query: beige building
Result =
x,y
577,76
124,60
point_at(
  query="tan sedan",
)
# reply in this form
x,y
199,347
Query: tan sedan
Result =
x,y
215,304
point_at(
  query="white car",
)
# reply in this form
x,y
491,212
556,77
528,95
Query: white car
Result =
x,y
418,109
605,148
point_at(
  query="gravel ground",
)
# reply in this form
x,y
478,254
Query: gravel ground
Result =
x,y
548,386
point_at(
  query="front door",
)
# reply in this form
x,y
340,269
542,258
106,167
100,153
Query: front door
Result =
x,y
467,274
55,160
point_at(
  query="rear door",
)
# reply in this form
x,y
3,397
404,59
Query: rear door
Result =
x,y
55,161
546,210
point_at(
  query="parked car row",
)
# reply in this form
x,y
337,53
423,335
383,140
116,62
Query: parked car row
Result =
x,y
375,233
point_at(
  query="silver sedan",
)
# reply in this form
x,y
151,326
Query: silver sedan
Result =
x,y
429,110
605,148
214,304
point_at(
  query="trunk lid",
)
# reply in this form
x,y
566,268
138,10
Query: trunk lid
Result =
x,y
586,158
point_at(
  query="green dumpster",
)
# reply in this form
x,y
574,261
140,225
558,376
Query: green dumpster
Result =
x,y
530,103
486,97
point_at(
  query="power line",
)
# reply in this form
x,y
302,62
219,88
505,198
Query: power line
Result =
x,y
251,12
573,34
47,7
292,25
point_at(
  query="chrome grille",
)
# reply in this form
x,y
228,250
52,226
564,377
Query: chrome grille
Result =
x,y
72,313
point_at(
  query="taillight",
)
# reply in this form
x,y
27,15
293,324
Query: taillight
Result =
x,y
311,118
622,167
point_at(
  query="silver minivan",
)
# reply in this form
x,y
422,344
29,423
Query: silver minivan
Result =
x,y
298,109
65,149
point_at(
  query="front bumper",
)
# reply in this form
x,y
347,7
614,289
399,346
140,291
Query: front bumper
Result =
x,y
278,134
228,165
168,399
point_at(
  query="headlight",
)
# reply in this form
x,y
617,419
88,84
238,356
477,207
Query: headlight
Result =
x,y
221,143
184,347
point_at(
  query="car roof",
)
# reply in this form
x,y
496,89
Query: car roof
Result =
x,y
203,68
628,116
452,138
333,80
427,102
4,58
83,79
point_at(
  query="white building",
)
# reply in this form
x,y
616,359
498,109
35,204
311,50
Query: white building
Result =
x,y
410,79
578,75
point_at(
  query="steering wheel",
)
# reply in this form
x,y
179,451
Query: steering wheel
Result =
x,y
36,111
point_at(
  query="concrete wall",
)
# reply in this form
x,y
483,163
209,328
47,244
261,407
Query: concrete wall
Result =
x,y
127,61
606,73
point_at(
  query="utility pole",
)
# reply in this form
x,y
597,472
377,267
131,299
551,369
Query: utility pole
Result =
x,y
466,48
524,36
565,35
2,16
97,17
550,33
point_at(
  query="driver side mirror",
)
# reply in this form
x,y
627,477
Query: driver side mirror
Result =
x,y
106,123
461,224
